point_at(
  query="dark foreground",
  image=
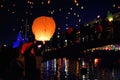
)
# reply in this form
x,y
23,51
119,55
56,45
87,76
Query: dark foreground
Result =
x,y
74,69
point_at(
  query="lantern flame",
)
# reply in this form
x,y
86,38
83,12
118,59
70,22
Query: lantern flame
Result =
x,y
43,28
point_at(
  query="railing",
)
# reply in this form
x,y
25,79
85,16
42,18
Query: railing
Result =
x,y
109,35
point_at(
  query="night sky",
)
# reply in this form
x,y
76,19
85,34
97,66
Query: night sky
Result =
x,y
14,14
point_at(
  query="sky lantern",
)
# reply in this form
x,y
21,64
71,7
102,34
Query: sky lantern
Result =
x,y
96,61
109,16
43,28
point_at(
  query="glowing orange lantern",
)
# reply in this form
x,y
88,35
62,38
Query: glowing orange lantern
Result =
x,y
43,28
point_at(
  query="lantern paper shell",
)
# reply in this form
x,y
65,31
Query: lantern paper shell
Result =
x,y
43,28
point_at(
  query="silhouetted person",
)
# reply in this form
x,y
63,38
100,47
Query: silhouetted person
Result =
x,y
30,64
15,68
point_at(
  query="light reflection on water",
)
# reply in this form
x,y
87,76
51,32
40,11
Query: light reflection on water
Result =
x,y
78,69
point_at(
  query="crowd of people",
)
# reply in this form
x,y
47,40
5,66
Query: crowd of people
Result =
x,y
17,66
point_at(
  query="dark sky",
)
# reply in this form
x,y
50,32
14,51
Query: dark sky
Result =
x,y
66,13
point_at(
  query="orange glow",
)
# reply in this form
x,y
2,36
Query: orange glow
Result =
x,y
43,28
48,1
75,1
96,61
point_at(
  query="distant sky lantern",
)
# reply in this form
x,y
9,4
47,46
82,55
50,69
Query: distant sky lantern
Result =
x,y
48,1
109,16
96,61
43,28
